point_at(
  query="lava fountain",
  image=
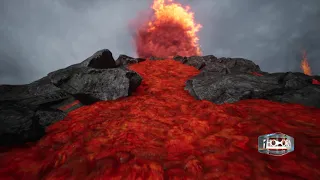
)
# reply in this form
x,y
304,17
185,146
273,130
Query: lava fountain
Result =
x,y
305,65
306,68
170,31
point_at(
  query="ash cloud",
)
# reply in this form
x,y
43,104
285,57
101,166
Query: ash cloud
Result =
x,y
39,36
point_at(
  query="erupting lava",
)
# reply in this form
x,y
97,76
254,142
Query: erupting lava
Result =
x,y
305,65
306,68
171,31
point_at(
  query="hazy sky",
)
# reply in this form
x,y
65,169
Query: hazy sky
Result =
x,y
39,36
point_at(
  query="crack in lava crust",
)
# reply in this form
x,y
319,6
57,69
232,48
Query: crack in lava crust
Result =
x,y
161,132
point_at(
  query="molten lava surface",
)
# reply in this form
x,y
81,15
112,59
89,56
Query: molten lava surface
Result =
x,y
170,32
161,132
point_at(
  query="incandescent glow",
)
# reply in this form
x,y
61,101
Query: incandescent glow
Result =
x,y
305,65
306,68
170,31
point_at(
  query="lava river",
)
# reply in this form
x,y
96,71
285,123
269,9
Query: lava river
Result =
x,y
161,132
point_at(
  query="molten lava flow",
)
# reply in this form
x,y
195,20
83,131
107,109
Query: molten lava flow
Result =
x,y
305,65
306,68
161,132
171,31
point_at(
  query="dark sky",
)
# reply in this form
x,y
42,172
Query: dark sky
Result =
x,y
39,36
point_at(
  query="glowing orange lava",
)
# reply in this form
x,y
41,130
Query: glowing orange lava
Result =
x,y
306,68
171,31
305,65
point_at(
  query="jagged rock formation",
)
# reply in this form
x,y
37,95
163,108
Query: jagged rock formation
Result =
x,y
228,80
26,110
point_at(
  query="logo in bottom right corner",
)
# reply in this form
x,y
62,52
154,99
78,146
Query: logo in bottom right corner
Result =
x,y
275,144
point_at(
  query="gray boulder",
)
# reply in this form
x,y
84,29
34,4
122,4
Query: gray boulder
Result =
x,y
88,84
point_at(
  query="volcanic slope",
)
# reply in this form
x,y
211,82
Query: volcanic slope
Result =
x,y
162,132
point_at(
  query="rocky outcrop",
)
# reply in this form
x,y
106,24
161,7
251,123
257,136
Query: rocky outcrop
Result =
x,y
228,80
211,63
97,84
126,60
26,110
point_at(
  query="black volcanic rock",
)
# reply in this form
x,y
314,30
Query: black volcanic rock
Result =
x,y
37,93
18,124
22,110
211,63
234,65
98,84
156,58
228,80
26,110
308,96
102,59
126,60
89,84
227,88
198,62
48,116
